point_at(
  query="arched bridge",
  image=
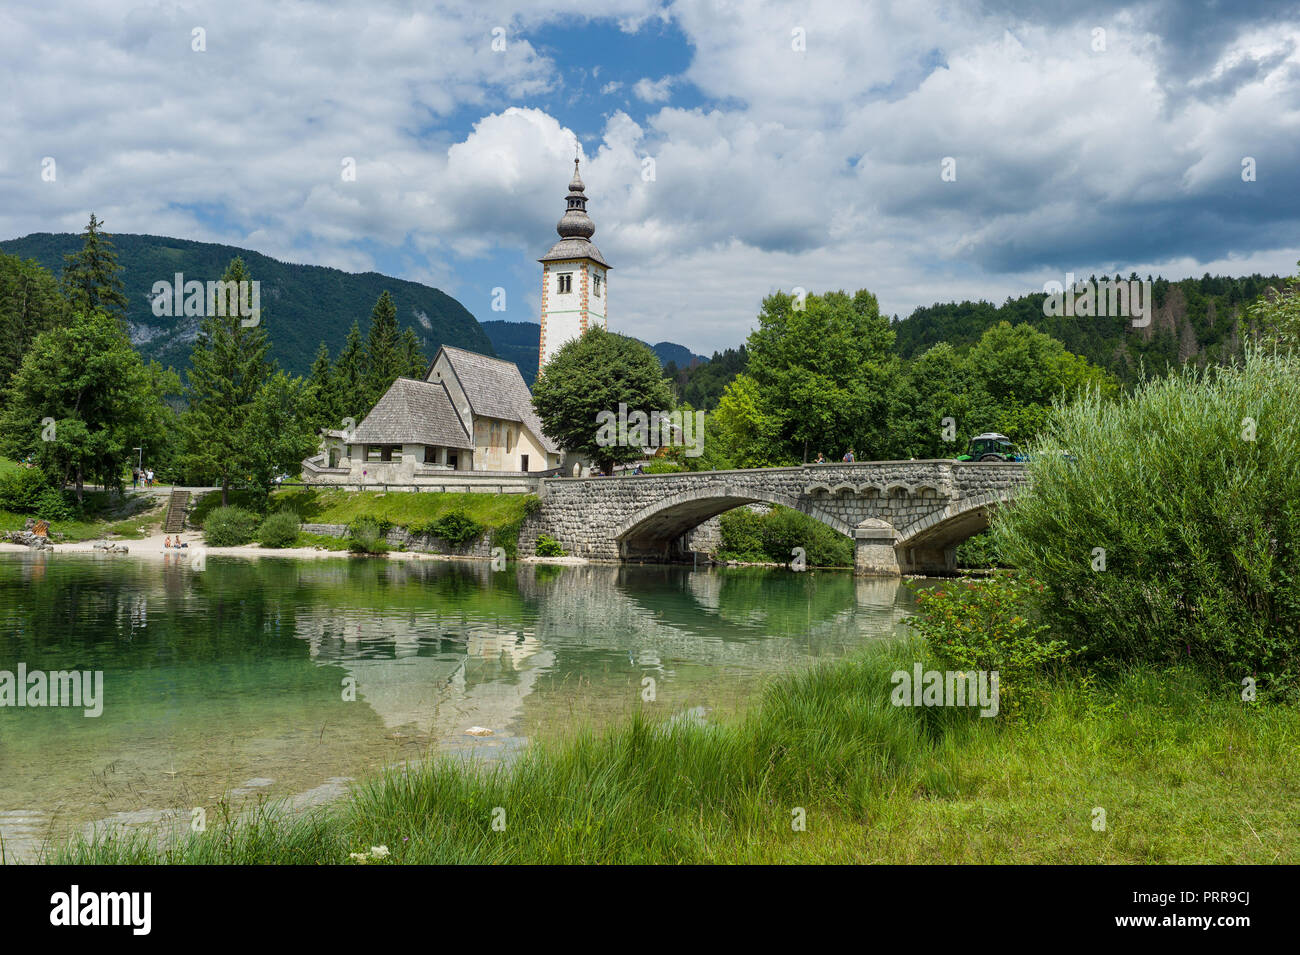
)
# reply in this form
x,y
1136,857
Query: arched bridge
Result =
x,y
904,516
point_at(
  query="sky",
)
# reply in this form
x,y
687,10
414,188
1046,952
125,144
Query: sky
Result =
x,y
926,151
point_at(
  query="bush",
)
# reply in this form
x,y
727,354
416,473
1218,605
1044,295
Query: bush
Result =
x,y
366,537
22,489
980,551
229,527
663,466
774,536
279,530
1171,531
548,546
456,528
989,624
56,505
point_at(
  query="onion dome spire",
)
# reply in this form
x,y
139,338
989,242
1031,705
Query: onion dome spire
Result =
x,y
575,223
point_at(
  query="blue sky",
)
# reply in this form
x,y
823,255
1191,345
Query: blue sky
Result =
x,y
794,144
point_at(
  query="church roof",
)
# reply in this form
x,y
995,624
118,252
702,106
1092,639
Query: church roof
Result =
x,y
496,389
575,248
414,412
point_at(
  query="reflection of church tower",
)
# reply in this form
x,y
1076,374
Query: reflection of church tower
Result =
x,y
573,277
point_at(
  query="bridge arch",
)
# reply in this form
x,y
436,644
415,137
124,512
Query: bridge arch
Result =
x,y
653,530
929,545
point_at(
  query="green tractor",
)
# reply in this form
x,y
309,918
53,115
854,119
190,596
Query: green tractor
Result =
x,y
992,446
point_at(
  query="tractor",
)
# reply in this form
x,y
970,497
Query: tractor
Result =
x,y
991,446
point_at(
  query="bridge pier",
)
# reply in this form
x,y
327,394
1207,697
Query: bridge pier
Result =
x,y
874,554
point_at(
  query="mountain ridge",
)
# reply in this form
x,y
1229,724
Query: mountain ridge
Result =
x,y
302,304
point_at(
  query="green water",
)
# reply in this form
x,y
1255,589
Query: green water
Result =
x,y
233,682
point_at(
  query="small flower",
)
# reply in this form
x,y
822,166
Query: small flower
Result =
x,y
361,857
379,852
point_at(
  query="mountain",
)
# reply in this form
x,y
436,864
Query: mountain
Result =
x,y
1194,320
518,342
679,355
302,305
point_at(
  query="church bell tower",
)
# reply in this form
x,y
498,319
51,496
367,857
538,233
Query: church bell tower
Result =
x,y
574,291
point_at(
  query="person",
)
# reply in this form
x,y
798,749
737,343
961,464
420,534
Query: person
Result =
x,y
167,544
848,457
135,477
821,458
149,477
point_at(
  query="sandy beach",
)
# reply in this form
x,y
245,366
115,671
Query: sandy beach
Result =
x,y
153,546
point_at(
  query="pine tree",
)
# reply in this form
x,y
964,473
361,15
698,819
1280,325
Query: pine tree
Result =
x,y
385,359
349,398
228,367
90,277
318,392
416,363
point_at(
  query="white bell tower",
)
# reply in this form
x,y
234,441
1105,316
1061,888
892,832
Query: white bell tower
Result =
x,y
575,293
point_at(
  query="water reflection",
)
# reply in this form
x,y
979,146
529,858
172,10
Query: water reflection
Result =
x,y
282,677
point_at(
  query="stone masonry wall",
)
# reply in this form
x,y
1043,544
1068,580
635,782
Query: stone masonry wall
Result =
x,y
589,515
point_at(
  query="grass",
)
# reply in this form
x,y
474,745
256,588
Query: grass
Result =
x,y
1184,773
500,515
104,517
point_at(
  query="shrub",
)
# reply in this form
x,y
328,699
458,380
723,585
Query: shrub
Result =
x,y
366,537
1171,530
548,546
532,505
55,505
229,527
980,551
21,490
989,624
774,536
742,534
456,528
663,466
279,530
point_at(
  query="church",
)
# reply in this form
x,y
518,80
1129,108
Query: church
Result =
x,y
472,412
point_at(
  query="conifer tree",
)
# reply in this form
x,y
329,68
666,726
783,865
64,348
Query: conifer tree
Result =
x,y
349,398
90,276
385,358
318,392
416,363
228,367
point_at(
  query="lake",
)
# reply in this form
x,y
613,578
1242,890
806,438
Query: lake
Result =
x,y
282,678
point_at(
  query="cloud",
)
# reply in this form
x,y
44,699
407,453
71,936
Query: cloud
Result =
x,y
761,163
653,91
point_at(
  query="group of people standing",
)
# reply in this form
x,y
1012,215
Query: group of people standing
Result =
x,y
847,459
138,475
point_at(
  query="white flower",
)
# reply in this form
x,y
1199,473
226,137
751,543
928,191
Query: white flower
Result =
x,y
361,857
379,852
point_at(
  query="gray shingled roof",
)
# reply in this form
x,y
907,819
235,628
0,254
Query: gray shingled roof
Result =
x,y
414,412
575,248
496,389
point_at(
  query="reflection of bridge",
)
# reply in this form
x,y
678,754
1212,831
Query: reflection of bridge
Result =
x,y
904,516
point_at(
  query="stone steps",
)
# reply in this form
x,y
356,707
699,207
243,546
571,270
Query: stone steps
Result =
x,y
174,523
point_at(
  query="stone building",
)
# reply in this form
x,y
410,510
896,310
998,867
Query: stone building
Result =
x,y
470,413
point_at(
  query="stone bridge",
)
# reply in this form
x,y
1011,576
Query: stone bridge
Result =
x,y
905,517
